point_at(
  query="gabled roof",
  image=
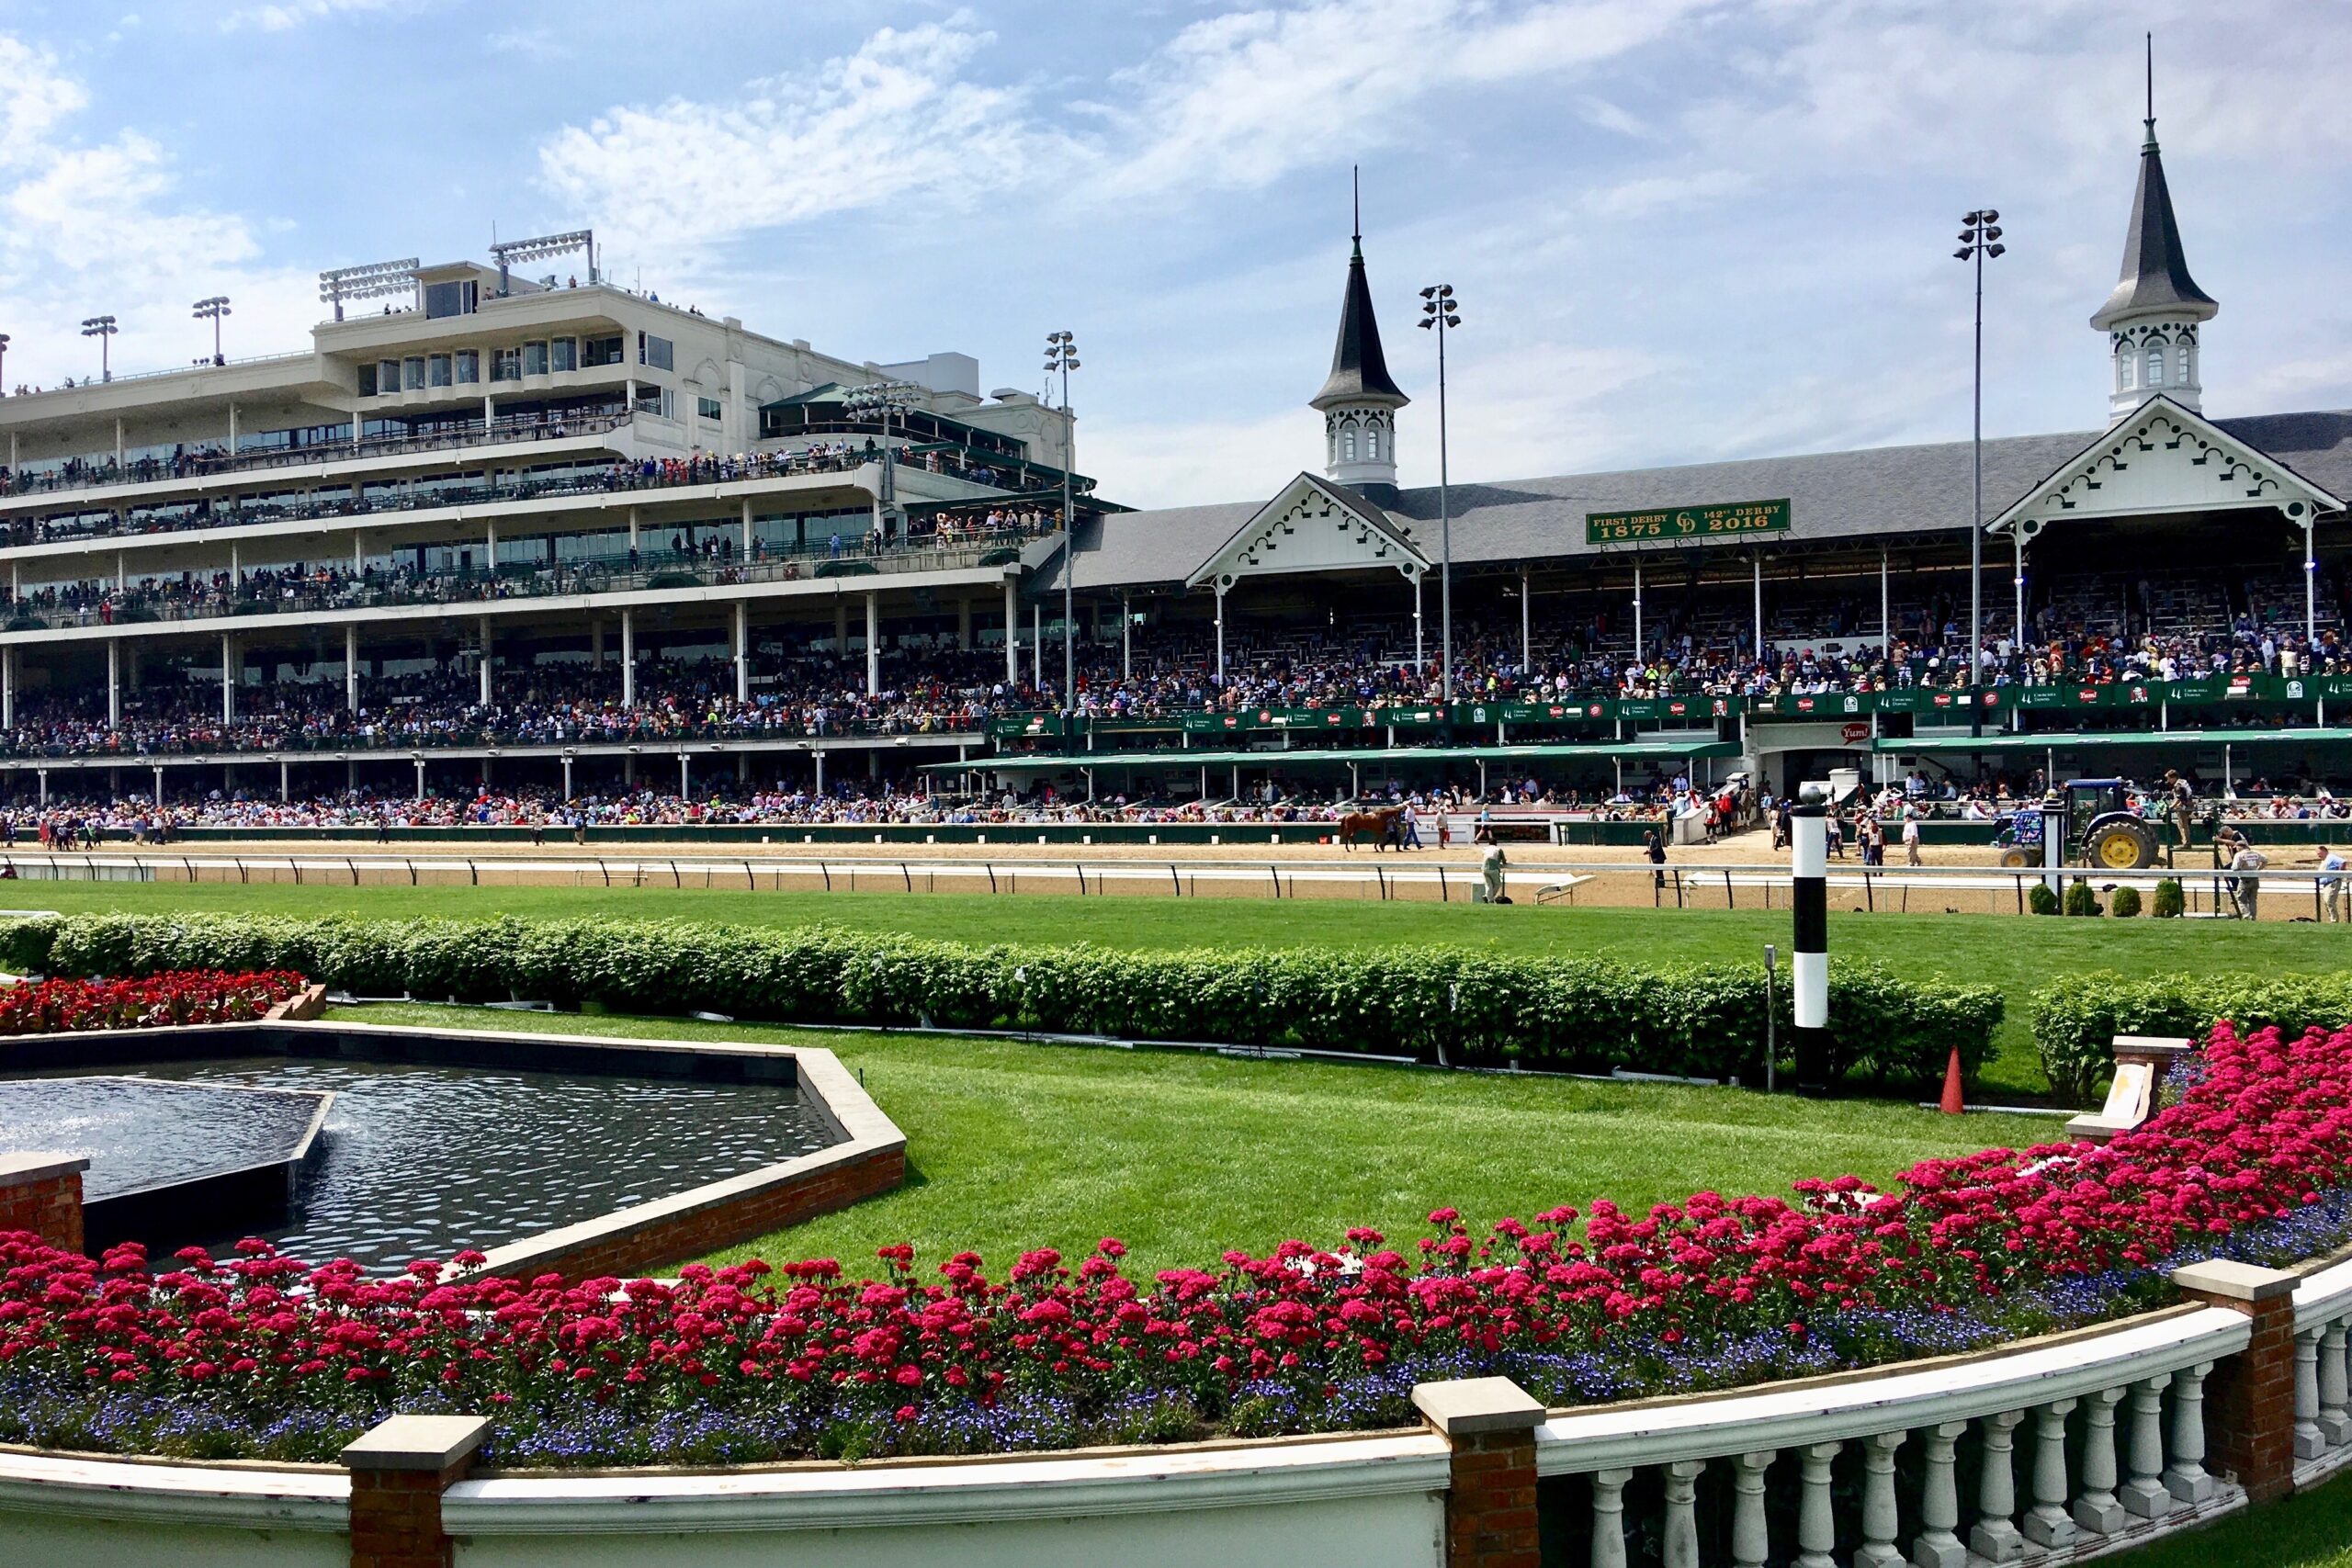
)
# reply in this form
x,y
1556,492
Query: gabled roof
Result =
x,y
2164,457
1359,369
2155,278
1311,524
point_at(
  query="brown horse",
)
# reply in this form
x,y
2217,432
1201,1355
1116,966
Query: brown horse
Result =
x,y
1380,824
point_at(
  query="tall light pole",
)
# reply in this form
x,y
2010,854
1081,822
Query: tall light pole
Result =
x,y
885,399
101,328
1061,355
211,311
1979,240
1437,311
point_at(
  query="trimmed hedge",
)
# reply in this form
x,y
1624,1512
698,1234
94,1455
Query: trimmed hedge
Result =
x,y
2076,1022
1435,1004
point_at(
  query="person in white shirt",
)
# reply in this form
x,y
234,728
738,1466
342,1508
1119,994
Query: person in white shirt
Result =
x,y
1911,838
2331,883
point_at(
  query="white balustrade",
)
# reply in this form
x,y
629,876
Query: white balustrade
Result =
x,y
2132,1395
2322,1410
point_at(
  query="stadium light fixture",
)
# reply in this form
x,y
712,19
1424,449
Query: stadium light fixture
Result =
x,y
369,282
211,311
101,328
1980,237
1439,311
540,248
1062,356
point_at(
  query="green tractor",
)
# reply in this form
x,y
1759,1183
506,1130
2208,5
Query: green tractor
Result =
x,y
2106,829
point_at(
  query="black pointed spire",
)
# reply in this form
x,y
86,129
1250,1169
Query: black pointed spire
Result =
x,y
1359,369
2155,273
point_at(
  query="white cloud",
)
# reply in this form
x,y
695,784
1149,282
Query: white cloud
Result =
x,y
282,16
88,226
860,130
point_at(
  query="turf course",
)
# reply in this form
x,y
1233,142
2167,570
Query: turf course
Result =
x,y
1014,1145
2018,954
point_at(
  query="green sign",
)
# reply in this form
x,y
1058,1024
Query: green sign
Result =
x,y
1674,524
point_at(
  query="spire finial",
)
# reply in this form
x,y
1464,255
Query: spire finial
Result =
x,y
2151,121
1355,183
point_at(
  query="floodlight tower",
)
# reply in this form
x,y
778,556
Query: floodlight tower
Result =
x,y
506,253
375,280
211,311
101,328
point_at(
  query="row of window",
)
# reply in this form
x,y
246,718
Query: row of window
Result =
x,y
539,356
1347,453
2150,367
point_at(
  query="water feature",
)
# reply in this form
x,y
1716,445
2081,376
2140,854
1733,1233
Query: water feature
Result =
x,y
418,1161
140,1133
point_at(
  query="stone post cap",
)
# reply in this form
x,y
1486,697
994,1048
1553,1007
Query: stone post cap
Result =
x,y
2233,1281
2151,1045
1466,1406
32,1165
416,1442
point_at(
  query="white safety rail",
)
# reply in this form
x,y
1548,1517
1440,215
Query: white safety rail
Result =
x,y
2111,1423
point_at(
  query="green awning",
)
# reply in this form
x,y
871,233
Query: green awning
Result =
x,y
2142,739
1603,750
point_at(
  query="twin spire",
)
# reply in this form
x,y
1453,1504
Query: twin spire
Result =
x,y
2151,318
1359,399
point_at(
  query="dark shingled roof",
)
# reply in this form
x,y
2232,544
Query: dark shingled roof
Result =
x,y
1884,492
2155,275
1359,370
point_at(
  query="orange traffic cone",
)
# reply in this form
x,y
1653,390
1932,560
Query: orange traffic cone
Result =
x,y
1953,1103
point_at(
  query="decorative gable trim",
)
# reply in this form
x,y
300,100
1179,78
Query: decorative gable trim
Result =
x,y
2164,457
1310,525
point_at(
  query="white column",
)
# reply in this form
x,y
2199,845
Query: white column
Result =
x,y
1679,1545
1126,639
159,785
2185,1476
2143,1450
1939,1544
420,778
8,688
1885,614
685,789
1759,603
486,656
1750,1540
1220,628
1417,627
1637,612
228,678
351,667
628,658
567,776
2017,585
2046,1523
873,643
121,572
1880,1520
742,652
233,429
1037,644
1012,632
1996,1537
1609,1518
1526,625
489,548
2311,588
358,552
114,682
1816,1526
2098,1508
632,530
284,782
489,418
746,548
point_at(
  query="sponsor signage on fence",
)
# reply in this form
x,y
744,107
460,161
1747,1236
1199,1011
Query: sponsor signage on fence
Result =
x,y
1673,524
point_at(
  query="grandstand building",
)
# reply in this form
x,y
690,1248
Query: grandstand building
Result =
x,y
495,489
566,537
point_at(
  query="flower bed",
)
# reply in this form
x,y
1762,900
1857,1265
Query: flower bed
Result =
x,y
1439,1004
258,1355
153,1001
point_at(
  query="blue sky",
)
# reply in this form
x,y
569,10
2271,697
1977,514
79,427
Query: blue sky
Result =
x,y
1682,231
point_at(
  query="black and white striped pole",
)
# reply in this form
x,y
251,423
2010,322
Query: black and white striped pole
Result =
x,y
1809,957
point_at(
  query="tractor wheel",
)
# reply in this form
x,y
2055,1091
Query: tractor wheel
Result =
x,y
2122,845
2014,858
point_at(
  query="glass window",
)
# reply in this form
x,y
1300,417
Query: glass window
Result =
x,y
599,351
437,371
535,359
2156,367
366,380
413,374
567,354
709,408
654,351
2181,375
388,376
450,299
505,364
468,367
1348,448
2123,373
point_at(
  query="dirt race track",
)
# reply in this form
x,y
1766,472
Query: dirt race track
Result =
x,y
1742,873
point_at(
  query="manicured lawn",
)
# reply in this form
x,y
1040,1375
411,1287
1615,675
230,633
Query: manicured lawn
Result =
x,y
2004,951
1016,1145
2309,1531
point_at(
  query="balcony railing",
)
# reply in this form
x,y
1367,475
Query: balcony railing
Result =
x,y
86,476
386,731
336,592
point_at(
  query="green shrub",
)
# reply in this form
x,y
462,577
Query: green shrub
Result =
x,y
2168,904
2080,899
2125,903
1463,1008
2075,1022
2041,900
